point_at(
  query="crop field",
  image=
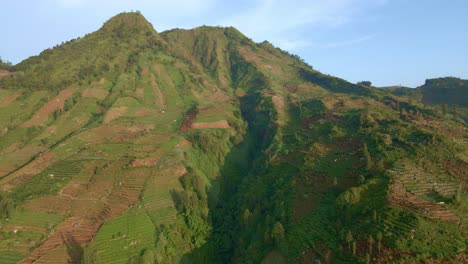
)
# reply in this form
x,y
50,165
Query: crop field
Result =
x,y
40,117
124,237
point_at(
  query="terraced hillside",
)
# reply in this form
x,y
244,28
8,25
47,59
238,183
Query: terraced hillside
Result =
x,y
202,146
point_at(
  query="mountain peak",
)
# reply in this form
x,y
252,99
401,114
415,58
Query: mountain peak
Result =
x,y
131,22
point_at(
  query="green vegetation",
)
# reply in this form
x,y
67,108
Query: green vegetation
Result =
x,y
309,166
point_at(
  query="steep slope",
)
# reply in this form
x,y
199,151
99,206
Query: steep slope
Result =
x,y
201,146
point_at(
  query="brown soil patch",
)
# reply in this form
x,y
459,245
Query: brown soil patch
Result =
x,y
114,133
27,172
142,112
95,93
145,70
184,143
4,73
188,121
139,92
100,134
9,99
102,81
92,200
308,193
148,161
43,114
279,104
49,204
18,158
162,73
74,230
217,124
260,62
274,257
398,196
312,119
114,113
10,148
11,227
157,93
150,139
133,132
458,169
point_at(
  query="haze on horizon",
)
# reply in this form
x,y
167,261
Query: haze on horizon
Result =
x,y
388,42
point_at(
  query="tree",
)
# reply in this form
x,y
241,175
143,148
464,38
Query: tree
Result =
x,y
277,232
379,241
349,239
370,241
362,179
379,166
246,216
365,83
444,109
367,258
457,195
367,156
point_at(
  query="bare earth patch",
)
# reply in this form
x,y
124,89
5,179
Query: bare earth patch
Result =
x,y
56,103
27,172
148,161
139,92
4,73
95,93
9,99
157,92
92,201
142,112
217,124
279,105
114,113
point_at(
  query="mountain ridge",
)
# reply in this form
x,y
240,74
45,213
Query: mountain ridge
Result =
x,y
202,146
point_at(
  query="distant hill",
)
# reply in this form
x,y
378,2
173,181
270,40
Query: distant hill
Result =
x,y
449,90
130,145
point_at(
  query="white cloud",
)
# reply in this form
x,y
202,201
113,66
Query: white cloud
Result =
x,y
285,22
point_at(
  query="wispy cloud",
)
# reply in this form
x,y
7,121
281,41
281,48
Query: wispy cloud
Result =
x,y
288,24
348,42
163,8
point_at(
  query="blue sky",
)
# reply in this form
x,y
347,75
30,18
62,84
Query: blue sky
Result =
x,y
389,42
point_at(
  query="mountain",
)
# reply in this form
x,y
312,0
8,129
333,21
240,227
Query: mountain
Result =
x,y
202,146
449,90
